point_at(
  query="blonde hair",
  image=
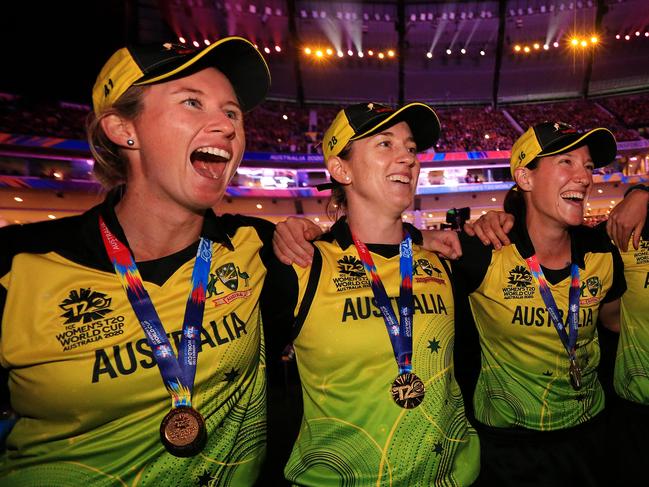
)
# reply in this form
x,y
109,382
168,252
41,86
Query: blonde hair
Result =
x,y
111,166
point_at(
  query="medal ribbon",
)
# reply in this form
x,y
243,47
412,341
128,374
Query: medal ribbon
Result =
x,y
177,374
569,339
400,332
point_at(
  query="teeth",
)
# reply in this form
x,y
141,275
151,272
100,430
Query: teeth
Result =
x,y
399,178
573,195
215,151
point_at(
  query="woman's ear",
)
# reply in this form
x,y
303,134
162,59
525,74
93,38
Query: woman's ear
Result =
x,y
119,130
522,177
337,167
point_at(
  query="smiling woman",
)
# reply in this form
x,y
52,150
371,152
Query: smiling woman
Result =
x,y
381,404
105,315
536,397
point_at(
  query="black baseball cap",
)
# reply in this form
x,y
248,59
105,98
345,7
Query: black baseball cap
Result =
x,y
551,138
365,119
237,58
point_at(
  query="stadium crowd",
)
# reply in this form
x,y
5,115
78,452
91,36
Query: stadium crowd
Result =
x,y
285,127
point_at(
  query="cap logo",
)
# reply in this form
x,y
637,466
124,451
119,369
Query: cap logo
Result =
x,y
332,142
107,87
178,48
521,157
564,128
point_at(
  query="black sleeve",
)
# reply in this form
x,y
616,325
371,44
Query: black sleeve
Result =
x,y
470,269
278,296
619,282
278,300
468,273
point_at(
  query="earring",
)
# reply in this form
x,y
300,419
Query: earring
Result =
x,y
347,178
130,142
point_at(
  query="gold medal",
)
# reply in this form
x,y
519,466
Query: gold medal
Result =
x,y
408,390
575,374
183,432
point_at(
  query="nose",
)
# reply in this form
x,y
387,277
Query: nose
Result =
x,y
405,156
221,122
583,175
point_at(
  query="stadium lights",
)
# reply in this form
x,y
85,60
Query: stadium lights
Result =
x,y
429,55
322,52
575,42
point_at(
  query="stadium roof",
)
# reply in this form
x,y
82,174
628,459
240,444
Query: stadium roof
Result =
x,y
49,53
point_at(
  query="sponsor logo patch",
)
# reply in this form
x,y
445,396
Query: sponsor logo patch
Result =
x,y
590,291
424,271
228,277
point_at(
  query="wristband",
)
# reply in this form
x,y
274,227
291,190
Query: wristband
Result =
x,y
636,186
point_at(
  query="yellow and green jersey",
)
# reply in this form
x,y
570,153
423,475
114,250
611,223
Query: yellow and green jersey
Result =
x,y
352,432
82,376
631,379
524,375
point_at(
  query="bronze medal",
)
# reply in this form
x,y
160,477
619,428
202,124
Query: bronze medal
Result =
x,y
183,432
408,390
575,374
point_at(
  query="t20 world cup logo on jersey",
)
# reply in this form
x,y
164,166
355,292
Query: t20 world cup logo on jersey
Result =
x,y
519,284
228,275
351,274
642,255
85,305
86,320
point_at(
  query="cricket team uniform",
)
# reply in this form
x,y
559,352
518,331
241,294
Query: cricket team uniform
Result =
x,y
352,431
83,378
533,424
630,417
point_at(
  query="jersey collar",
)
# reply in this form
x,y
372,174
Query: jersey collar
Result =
x,y
343,235
521,238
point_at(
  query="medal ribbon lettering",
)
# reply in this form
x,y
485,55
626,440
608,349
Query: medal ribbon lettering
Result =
x,y
569,339
177,374
400,332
